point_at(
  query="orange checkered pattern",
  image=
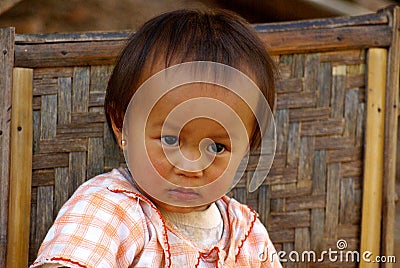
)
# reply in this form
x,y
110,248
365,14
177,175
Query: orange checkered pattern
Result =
x,y
109,223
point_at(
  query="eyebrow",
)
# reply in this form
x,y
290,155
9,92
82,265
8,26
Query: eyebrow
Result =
x,y
171,125
224,135
220,136
167,125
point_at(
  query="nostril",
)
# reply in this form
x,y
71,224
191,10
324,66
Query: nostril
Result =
x,y
188,168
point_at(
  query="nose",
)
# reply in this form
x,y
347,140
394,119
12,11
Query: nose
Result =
x,y
189,163
191,153
187,173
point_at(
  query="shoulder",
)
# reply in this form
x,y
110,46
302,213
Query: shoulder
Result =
x,y
101,183
100,220
243,221
101,189
107,198
250,235
236,210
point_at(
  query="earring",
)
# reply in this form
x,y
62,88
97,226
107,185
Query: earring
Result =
x,y
123,142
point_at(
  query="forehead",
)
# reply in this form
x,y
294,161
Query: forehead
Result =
x,y
205,89
205,95
156,62
195,102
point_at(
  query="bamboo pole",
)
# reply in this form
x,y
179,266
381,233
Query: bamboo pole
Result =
x,y
374,149
20,169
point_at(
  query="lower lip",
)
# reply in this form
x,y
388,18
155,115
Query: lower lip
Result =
x,y
183,194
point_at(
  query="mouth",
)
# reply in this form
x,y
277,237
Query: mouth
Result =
x,y
183,194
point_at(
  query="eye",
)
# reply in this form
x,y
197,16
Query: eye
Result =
x,y
216,148
170,140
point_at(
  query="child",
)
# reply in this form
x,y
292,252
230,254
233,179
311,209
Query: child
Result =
x,y
185,117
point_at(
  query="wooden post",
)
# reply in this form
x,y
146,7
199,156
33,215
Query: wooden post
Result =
x,y
20,169
6,65
391,132
373,165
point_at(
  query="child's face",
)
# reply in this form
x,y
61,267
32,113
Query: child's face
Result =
x,y
196,151
188,129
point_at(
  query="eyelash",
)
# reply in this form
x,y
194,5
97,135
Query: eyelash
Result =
x,y
164,140
214,148
215,145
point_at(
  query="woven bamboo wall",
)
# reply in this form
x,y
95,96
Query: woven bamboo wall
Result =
x,y
71,140
313,195
315,183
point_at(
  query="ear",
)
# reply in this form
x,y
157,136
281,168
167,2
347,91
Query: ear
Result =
x,y
117,134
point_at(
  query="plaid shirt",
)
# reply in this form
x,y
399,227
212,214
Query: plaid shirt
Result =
x,y
109,223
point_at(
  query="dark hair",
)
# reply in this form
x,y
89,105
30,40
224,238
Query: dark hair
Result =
x,y
188,35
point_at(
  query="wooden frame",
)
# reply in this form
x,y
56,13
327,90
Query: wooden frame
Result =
x,y
6,66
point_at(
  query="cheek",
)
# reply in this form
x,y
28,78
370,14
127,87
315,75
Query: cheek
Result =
x,y
157,158
217,169
229,165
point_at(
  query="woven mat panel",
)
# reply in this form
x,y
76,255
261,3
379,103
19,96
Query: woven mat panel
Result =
x,y
71,140
315,182
313,193
312,197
